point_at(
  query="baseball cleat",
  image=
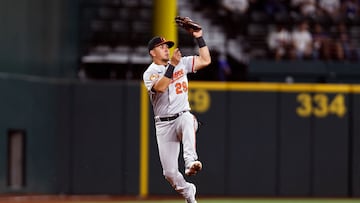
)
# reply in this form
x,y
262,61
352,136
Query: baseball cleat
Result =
x,y
192,193
193,168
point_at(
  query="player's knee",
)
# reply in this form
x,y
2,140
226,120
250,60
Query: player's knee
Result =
x,y
174,177
170,175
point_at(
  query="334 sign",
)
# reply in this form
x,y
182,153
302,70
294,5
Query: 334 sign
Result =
x,y
321,105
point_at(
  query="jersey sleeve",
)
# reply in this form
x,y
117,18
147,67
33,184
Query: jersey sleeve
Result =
x,y
189,63
150,77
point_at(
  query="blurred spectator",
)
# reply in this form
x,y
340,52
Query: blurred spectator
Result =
x,y
302,41
306,8
273,7
236,6
279,42
224,67
346,49
350,9
330,9
321,43
237,57
295,5
236,13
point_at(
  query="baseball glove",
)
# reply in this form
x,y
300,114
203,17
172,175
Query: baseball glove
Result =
x,y
187,24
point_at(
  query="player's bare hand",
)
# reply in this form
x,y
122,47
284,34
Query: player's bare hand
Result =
x,y
198,33
175,57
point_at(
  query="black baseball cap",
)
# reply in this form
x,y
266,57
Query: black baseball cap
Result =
x,y
157,41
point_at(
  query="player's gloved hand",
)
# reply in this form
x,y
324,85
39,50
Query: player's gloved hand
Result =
x,y
187,24
175,59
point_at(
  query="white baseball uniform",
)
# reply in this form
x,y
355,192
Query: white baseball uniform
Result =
x,y
173,121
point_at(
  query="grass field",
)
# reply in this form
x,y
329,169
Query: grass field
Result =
x,y
245,201
249,201
161,200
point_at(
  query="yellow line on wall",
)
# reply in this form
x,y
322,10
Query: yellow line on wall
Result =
x,y
144,143
275,87
355,88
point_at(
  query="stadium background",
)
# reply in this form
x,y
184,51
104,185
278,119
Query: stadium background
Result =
x,y
75,118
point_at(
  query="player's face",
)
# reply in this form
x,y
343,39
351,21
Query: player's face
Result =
x,y
162,52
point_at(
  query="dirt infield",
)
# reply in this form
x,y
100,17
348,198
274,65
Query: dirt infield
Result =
x,y
157,199
81,198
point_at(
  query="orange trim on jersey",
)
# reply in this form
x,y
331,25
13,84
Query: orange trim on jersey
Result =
x,y
193,65
177,75
195,120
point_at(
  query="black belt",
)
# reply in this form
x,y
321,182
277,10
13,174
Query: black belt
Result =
x,y
170,118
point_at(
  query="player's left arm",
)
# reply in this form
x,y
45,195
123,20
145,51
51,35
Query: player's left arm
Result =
x,y
204,58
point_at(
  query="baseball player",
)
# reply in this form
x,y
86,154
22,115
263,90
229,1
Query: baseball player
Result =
x,y
167,84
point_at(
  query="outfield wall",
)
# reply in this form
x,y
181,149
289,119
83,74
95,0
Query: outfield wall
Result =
x,y
265,139
80,137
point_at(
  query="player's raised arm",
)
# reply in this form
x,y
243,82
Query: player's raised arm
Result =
x,y
204,58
